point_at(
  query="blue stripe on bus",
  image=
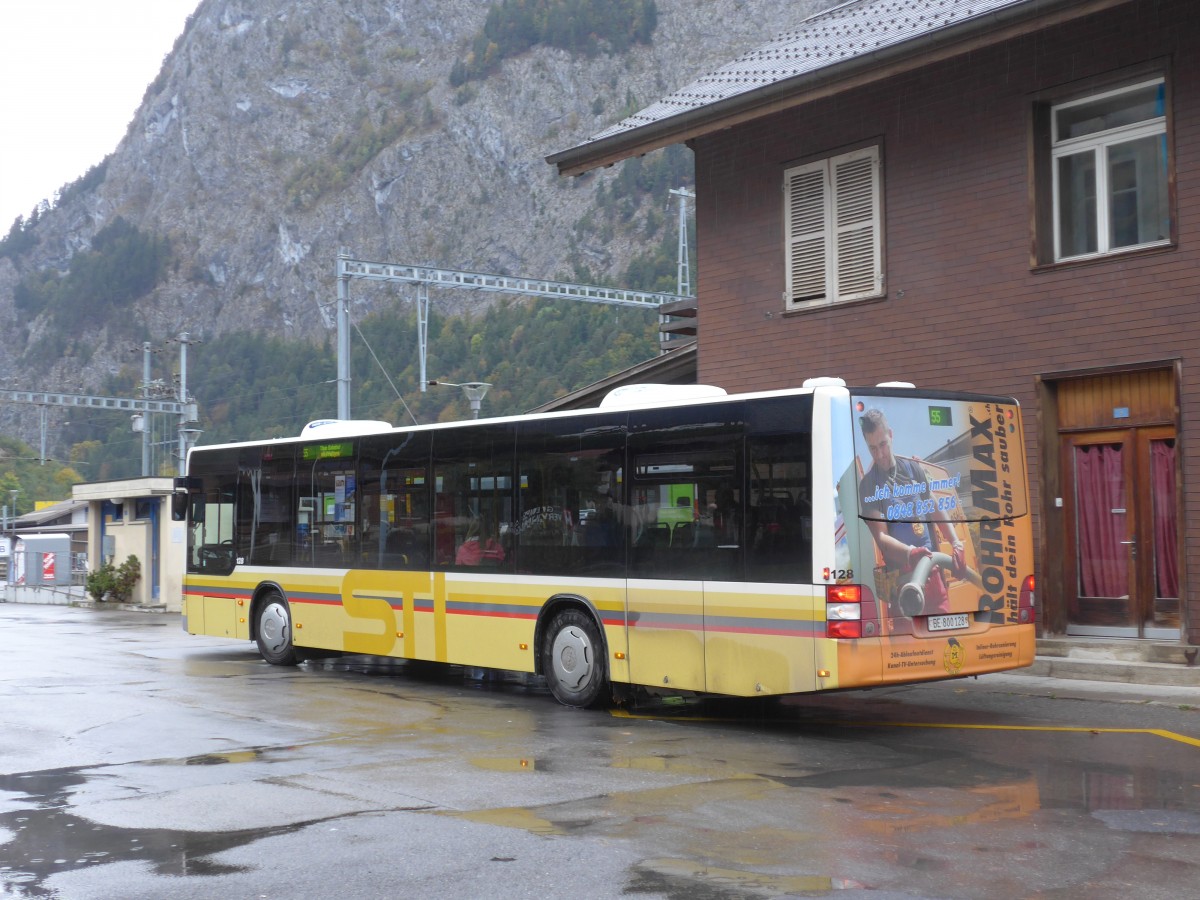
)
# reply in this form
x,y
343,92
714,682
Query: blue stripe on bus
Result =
x,y
319,598
392,601
745,625
237,593
216,590
503,610
681,621
728,624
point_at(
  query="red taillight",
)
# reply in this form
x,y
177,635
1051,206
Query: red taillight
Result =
x,y
843,593
1026,600
843,611
843,629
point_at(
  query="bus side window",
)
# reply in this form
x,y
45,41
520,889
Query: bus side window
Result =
x,y
779,530
266,510
680,465
473,483
569,496
394,520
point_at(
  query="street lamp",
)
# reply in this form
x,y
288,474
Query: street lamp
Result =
x,y
475,391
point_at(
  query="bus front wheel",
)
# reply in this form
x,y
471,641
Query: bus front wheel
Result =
x,y
573,660
274,632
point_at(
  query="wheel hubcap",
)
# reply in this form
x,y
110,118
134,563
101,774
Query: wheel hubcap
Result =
x,y
572,659
273,627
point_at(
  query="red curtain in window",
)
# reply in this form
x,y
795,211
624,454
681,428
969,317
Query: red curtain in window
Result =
x,y
1099,489
1166,547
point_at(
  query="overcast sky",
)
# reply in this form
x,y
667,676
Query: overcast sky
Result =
x,y
72,73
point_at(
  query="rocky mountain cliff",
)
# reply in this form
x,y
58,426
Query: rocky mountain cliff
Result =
x,y
279,131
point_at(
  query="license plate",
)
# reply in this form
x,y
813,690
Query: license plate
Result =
x,y
949,623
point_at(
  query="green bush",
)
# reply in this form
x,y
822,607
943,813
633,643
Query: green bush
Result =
x,y
100,582
114,582
127,576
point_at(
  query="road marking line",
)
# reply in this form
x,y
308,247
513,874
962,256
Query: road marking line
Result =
x,y
1079,729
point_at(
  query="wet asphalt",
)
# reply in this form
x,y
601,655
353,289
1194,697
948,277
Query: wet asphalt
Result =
x,y
140,762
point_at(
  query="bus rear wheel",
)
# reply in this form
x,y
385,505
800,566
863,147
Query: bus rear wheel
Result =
x,y
573,660
274,632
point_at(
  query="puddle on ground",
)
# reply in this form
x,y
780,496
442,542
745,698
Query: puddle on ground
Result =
x,y
684,879
44,839
511,817
512,764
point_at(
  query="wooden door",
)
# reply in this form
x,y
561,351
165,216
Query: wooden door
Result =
x,y
1158,585
1121,571
1100,569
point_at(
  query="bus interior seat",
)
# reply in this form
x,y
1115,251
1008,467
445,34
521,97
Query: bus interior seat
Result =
x,y
683,535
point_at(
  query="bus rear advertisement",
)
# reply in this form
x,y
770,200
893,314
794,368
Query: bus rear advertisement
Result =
x,y
762,544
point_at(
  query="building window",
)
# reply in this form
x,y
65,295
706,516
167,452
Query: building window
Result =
x,y
833,224
1109,165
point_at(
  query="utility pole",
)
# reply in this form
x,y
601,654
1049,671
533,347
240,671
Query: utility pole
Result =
x,y
683,278
145,420
42,422
343,335
188,412
423,330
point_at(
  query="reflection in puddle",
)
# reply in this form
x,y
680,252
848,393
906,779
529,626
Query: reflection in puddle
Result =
x,y
665,763
219,759
684,878
433,673
1153,821
42,839
507,764
511,817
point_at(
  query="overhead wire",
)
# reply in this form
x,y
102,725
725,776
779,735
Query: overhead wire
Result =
x,y
371,350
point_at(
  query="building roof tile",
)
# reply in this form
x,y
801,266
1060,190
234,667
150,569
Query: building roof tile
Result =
x,y
841,37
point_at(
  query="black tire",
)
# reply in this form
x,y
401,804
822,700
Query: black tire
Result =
x,y
573,660
273,633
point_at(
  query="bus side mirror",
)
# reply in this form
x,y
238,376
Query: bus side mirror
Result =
x,y
179,507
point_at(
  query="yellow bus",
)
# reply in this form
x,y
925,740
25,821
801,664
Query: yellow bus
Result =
x,y
674,539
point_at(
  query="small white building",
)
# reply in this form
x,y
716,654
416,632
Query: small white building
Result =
x,y
132,517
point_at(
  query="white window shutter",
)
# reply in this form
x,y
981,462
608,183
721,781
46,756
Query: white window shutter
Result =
x,y
856,227
807,190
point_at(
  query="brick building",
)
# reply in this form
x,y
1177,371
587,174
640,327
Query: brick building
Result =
x,y
996,195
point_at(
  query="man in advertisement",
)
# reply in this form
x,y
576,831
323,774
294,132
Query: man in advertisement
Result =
x,y
904,539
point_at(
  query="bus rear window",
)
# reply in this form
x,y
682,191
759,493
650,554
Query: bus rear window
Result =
x,y
922,458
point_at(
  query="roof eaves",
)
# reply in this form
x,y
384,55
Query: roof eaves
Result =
x,y
677,363
807,86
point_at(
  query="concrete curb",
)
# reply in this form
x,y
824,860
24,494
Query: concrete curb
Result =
x,y
1117,670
